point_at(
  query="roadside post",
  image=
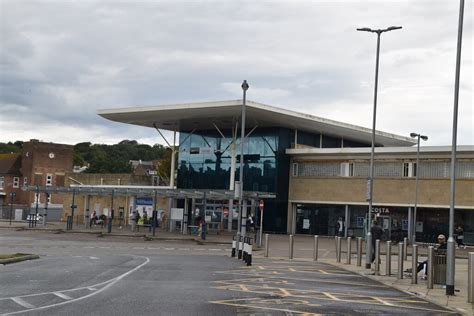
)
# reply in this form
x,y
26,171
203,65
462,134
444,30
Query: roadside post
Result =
x,y
45,211
430,267
470,277
233,246
266,245
400,261
12,195
290,255
414,264
338,254
154,220
359,251
261,205
405,248
388,262
316,244
377,257
348,259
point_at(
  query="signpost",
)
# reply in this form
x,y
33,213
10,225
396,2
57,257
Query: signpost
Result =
x,y
261,205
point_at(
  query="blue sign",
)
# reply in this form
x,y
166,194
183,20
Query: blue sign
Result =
x,y
144,201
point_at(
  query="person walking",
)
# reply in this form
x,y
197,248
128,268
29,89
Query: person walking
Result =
x,y
340,227
459,232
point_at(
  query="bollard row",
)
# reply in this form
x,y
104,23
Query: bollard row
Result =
x,y
242,247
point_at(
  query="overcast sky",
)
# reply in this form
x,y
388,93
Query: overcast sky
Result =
x,y
61,61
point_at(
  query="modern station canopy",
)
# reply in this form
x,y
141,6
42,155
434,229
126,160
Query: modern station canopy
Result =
x,y
225,114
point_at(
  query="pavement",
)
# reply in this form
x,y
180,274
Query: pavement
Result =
x,y
303,251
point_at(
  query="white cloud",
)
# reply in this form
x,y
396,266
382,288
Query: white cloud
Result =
x,y
61,61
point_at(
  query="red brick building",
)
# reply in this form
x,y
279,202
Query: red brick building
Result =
x,y
42,164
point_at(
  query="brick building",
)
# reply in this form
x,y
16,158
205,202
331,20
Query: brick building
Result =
x,y
42,164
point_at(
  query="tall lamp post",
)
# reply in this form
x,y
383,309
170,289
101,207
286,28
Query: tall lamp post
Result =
x,y
451,258
368,257
245,87
417,170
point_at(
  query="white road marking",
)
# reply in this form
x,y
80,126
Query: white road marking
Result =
x,y
93,258
382,301
22,302
108,283
169,248
63,296
138,248
92,289
90,247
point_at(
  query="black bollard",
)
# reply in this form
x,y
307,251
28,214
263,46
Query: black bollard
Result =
x,y
234,244
241,245
244,254
249,253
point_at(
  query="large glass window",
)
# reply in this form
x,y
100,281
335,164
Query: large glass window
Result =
x,y
205,161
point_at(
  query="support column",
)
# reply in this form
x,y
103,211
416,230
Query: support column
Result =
x,y
173,158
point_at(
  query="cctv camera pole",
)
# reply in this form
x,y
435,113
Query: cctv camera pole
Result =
x,y
451,249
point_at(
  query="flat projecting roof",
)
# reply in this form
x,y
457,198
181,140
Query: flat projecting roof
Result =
x,y
224,114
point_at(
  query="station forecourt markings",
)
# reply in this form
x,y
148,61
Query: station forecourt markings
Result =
x,y
281,281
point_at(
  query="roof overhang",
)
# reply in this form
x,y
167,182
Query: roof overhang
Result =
x,y
224,114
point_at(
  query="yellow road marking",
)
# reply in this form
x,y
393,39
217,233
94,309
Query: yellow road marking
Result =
x,y
243,287
264,307
382,301
331,296
285,292
323,272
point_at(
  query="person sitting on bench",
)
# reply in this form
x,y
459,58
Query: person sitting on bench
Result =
x,y
440,250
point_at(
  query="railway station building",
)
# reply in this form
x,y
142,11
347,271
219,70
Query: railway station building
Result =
x,y
315,169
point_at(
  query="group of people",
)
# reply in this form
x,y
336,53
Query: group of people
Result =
x,y
97,220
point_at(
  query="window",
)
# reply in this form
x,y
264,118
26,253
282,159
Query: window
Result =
x,y
347,169
25,181
2,181
406,169
49,179
49,197
16,182
295,169
156,181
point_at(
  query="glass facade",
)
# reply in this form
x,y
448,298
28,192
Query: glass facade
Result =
x,y
204,162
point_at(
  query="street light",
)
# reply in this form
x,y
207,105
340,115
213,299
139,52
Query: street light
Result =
x,y
241,229
368,259
425,138
451,256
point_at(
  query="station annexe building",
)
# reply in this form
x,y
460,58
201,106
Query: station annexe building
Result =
x,y
316,168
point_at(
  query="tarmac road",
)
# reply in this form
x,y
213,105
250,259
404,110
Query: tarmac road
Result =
x,y
85,275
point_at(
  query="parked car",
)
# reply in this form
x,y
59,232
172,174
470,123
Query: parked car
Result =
x,y
33,217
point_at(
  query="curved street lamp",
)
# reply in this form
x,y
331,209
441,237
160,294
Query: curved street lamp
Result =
x,y
368,259
425,138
